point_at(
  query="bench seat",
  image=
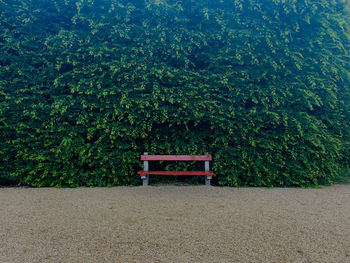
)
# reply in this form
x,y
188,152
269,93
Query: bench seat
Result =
x,y
208,174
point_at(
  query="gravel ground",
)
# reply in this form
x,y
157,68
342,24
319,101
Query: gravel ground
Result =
x,y
175,224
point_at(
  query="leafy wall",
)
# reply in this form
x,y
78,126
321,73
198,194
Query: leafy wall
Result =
x,y
87,86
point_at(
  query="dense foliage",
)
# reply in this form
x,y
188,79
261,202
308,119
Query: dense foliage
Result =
x,y
87,86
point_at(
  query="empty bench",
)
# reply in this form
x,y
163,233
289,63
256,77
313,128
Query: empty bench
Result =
x,y
145,173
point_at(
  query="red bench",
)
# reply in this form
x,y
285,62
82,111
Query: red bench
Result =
x,y
146,158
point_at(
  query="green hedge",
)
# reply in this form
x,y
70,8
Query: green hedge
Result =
x,y
87,86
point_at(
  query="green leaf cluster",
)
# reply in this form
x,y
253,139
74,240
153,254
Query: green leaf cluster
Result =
x,y
87,86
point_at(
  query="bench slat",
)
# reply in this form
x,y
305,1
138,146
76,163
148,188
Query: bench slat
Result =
x,y
210,173
176,158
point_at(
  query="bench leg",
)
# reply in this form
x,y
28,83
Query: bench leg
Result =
x,y
207,169
207,181
145,181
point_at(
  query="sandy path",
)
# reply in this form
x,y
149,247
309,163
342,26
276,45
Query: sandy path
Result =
x,y
175,224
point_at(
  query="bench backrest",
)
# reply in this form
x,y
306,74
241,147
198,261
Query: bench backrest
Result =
x,y
176,158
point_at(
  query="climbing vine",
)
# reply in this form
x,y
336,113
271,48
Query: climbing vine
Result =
x,y
87,86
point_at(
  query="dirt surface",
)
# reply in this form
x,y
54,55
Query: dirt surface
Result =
x,y
175,224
